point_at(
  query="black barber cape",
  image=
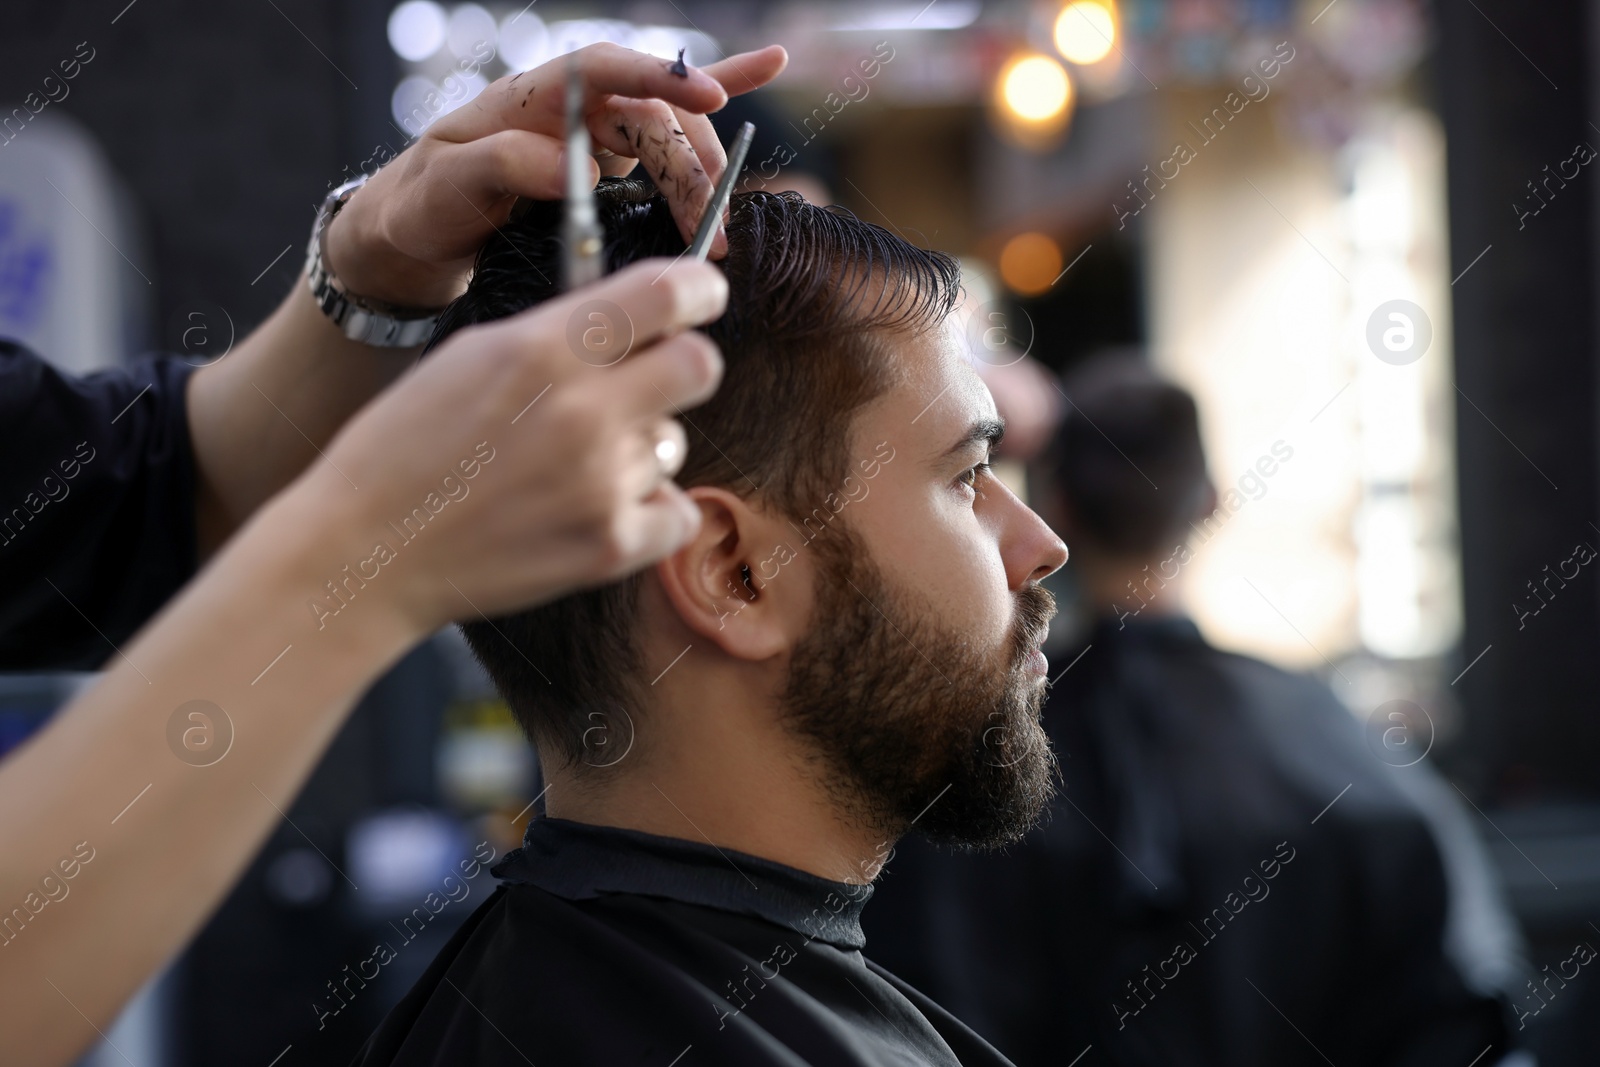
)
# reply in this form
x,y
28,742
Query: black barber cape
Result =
x,y
1229,878
613,948
97,513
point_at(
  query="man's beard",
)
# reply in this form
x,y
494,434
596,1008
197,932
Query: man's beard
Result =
x,y
912,727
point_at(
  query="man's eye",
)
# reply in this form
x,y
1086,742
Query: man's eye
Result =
x,y
970,476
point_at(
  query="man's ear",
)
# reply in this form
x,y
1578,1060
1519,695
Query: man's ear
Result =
x,y
720,581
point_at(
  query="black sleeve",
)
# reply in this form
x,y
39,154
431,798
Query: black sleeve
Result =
x,y
97,506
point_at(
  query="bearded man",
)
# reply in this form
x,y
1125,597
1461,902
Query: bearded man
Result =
x,y
732,741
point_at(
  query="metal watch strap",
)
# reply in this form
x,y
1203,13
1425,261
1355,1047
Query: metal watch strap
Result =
x,y
359,319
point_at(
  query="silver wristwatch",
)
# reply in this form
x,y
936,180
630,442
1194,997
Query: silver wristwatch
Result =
x,y
358,318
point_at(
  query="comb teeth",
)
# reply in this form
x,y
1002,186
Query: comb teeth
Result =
x,y
700,247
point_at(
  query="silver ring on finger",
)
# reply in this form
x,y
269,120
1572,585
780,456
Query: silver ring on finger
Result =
x,y
668,447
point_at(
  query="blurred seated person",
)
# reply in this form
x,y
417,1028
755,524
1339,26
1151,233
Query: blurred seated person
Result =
x,y
733,740
1229,877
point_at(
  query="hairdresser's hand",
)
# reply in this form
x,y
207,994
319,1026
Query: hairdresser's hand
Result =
x,y
409,236
561,487
504,470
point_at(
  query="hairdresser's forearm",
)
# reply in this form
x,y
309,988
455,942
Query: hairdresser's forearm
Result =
x,y
259,415
168,837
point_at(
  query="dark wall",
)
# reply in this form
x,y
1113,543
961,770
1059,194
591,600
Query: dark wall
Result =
x,y
223,120
1515,95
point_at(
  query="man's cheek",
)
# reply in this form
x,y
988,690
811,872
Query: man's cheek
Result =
x,y
974,600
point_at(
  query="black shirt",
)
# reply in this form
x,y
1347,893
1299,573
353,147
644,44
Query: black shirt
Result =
x,y
608,946
97,510
1229,878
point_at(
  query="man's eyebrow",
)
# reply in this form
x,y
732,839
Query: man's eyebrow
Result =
x,y
990,430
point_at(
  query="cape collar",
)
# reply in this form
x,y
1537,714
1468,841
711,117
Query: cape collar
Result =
x,y
578,861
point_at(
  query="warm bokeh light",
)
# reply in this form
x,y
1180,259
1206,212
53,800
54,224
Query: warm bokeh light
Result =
x,y
1030,263
1035,88
1086,30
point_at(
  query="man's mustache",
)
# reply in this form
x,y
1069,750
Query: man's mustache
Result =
x,y
1036,606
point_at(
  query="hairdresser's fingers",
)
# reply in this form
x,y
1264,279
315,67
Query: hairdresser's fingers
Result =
x,y
536,99
485,176
652,455
664,380
649,131
618,70
738,74
655,528
591,332
703,139
655,297
670,446
409,236
677,148
614,165
714,159
748,71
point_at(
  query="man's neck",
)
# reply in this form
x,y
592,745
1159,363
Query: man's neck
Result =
x,y
699,772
